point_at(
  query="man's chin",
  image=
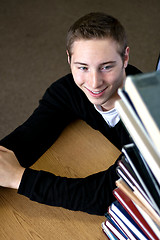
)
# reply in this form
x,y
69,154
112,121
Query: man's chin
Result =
x,y
97,101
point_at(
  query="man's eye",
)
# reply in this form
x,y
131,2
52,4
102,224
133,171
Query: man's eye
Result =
x,y
83,68
105,68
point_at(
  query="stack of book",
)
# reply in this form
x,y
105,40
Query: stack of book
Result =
x,y
136,212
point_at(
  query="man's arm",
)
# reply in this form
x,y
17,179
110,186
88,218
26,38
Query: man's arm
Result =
x,y
10,170
92,194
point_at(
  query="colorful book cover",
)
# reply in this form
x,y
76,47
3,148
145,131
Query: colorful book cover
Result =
x,y
125,171
114,228
137,198
130,207
107,232
121,225
118,209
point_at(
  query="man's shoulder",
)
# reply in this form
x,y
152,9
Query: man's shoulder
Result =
x,y
67,77
65,80
64,86
132,70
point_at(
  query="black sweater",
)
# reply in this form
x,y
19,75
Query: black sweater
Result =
x,y
29,141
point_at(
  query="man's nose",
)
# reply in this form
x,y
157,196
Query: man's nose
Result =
x,y
95,79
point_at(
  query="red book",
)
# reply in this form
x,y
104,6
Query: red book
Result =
x,y
129,206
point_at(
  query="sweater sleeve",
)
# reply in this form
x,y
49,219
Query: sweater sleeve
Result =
x,y
92,194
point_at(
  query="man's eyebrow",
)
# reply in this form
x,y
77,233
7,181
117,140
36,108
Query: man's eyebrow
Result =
x,y
101,64
109,62
81,63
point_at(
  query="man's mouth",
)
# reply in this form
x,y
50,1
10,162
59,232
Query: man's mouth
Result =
x,y
96,93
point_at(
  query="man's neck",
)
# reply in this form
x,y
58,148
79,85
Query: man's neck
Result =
x,y
110,104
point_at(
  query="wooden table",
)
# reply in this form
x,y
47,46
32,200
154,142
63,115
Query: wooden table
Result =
x,y
78,152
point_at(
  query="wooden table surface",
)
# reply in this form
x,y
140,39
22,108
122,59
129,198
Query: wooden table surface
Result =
x,y
79,152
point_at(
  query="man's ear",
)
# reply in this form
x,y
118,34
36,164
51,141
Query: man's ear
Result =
x,y
68,56
126,57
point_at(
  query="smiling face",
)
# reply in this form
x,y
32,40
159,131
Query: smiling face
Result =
x,y
98,70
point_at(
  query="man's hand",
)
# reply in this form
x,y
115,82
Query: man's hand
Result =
x,y
10,170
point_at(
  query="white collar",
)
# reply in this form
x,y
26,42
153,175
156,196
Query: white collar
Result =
x,y
111,117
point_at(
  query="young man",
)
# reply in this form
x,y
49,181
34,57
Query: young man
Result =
x,y
98,56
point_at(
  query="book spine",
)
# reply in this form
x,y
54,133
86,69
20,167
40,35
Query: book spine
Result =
x,y
134,213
